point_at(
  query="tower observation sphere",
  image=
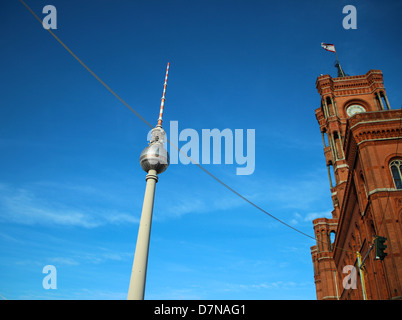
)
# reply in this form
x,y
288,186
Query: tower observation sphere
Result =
x,y
155,156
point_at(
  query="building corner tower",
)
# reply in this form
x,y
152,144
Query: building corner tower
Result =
x,y
360,136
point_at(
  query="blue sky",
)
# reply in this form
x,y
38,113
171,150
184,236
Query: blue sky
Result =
x,y
71,187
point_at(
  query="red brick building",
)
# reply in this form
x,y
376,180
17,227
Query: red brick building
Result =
x,y
363,154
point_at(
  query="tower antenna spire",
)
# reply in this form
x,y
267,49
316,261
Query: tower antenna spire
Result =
x,y
163,98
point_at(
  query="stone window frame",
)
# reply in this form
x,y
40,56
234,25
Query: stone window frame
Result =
x,y
396,163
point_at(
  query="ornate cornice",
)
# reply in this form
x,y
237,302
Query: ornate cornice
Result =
x,y
345,86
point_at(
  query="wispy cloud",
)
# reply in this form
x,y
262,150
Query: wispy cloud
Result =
x,y
64,261
71,258
99,294
23,206
189,203
309,216
282,285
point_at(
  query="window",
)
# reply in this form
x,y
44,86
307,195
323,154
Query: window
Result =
x,y
384,100
325,138
332,240
330,106
396,169
337,146
331,174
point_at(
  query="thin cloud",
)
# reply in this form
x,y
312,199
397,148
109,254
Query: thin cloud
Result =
x,y
64,261
274,285
309,217
192,205
22,206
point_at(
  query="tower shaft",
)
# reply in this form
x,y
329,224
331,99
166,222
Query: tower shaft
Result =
x,y
139,271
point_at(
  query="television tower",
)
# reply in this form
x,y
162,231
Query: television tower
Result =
x,y
154,160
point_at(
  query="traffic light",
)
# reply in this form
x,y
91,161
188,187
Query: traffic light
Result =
x,y
380,247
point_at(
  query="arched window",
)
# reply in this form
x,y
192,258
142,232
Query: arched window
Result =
x,y
396,169
330,106
337,146
384,100
332,236
324,110
331,174
332,239
325,138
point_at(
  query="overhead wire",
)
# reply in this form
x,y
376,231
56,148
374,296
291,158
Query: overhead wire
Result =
x,y
87,68
172,144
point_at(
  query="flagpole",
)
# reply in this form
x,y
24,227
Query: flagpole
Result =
x,y
336,55
331,48
339,65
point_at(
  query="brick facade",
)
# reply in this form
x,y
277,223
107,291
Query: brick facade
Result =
x,y
361,139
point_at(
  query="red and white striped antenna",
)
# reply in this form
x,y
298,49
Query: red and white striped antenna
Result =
x,y
163,98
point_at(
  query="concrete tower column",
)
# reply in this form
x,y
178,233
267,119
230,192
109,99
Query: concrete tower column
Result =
x,y
139,271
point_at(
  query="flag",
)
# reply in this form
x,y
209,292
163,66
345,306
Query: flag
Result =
x,y
328,46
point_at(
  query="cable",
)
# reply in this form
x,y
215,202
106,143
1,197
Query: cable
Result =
x,y
86,67
148,124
